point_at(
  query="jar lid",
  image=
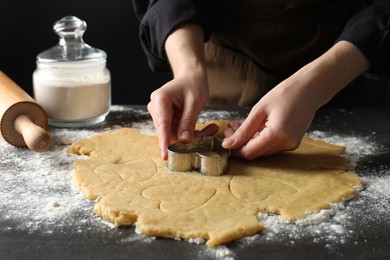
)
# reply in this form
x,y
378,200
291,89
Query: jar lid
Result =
x,y
71,46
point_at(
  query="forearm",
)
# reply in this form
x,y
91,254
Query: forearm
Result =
x,y
159,18
185,51
330,73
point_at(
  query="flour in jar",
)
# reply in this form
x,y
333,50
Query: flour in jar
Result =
x,y
73,91
73,102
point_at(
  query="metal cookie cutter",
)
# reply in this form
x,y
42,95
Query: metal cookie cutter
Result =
x,y
204,154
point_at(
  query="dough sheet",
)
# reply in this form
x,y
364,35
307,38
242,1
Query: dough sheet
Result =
x,y
131,184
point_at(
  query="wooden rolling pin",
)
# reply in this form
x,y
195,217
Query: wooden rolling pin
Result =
x,y
23,123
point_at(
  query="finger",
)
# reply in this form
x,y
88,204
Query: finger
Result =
x,y
228,132
261,144
234,125
245,131
161,112
187,122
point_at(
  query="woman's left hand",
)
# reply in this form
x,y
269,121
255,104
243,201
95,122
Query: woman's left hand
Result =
x,y
276,123
284,114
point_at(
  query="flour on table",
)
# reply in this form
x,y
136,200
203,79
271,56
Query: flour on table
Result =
x,y
36,196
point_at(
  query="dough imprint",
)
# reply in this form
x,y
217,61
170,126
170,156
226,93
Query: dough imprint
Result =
x,y
132,185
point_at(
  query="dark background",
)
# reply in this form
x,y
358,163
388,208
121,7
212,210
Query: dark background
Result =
x,y
26,29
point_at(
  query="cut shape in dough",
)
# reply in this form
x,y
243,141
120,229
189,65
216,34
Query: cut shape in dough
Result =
x,y
132,185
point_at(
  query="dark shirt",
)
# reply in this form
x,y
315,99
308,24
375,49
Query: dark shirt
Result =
x,y
367,28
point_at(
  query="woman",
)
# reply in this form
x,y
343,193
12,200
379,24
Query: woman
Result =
x,y
286,58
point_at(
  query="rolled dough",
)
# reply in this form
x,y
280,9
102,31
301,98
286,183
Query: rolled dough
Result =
x,y
132,186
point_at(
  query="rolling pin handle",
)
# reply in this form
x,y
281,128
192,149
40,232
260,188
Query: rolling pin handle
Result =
x,y
37,139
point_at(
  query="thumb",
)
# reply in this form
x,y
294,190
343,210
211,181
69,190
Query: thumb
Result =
x,y
245,131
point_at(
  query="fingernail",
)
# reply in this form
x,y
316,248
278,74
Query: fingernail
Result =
x,y
227,142
185,135
164,154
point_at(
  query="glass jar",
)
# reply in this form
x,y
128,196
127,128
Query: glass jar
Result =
x,y
71,81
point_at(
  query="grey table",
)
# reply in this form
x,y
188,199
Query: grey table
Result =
x,y
366,221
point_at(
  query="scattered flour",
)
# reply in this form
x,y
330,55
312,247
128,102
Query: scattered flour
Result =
x,y
37,196
222,252
36,193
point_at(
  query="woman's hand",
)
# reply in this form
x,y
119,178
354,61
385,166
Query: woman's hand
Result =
x,y
175,108
276,123
285,113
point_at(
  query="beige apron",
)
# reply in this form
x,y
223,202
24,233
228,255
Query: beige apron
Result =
x,y
258,43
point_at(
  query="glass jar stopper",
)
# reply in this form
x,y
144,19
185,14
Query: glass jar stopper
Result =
x,y
71,46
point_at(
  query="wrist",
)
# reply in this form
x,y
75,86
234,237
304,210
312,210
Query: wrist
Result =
x,y
333,71
190,69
